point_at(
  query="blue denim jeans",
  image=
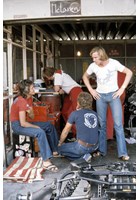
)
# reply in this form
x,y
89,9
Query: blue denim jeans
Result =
x,y
74,150
116,108
46,135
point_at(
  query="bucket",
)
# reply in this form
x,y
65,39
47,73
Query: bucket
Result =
x,y
53,100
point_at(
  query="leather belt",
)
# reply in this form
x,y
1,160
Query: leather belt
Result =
x,y
85,144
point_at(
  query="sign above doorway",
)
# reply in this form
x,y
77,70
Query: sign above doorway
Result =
x,y
58,8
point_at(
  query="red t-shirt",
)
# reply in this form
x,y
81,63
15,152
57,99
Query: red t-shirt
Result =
x,y
19,104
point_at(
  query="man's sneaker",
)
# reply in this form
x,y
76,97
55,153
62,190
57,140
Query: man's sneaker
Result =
x,y
96,154
125,158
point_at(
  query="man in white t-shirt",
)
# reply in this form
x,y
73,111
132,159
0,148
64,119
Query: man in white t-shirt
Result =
x,y
108,93
63,83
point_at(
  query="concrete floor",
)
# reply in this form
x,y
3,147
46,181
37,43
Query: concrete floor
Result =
x,y
41,190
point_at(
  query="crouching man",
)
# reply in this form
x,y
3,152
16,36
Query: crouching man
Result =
x,y
86,122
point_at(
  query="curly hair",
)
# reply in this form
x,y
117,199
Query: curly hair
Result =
x,y
85,100
24,87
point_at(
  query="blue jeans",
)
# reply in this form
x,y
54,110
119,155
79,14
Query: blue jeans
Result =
x,y
116,108
74,150
46,135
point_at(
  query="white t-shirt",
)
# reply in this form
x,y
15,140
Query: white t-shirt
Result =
x,y
65,81
106,76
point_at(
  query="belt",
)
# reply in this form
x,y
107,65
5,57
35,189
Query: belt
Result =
x,y
85,144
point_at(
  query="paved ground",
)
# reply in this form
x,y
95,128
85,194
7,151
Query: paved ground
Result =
x,y
41,190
